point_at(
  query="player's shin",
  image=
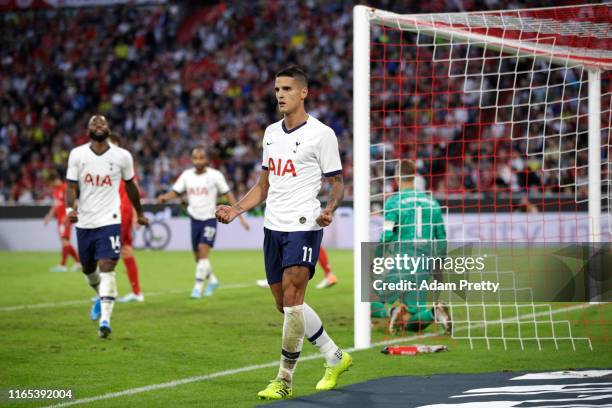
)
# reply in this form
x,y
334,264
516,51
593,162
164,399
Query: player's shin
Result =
x,y
93,279
65,252
319,338
132,272
293,339
108,293
208,273
200,274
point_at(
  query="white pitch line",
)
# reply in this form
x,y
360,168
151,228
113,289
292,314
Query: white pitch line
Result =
x,y
83,301
205,377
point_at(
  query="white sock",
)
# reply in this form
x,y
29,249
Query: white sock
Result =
x,y
318,337
93,279
108,293
293,339
208,271
200,274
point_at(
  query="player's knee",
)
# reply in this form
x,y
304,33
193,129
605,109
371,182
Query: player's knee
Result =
x,y
89,268
107,265
291,295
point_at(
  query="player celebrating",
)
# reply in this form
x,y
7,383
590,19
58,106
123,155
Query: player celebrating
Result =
x,y
297,152
94,173
64,226
415,219
127,254
202,184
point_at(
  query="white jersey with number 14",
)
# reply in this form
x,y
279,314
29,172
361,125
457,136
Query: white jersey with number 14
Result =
x,y
99,176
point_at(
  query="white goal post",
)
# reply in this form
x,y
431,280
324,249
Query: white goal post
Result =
x,y
534,34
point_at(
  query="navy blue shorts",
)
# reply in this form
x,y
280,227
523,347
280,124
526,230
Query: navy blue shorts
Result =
x,y
99,243
285,249
203,232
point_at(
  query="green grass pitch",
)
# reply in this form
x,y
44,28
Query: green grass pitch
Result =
x,y
171,337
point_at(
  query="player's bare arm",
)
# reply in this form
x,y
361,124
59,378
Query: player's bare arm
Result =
x,y
164,198
256,195
134,195
71,196
49,215
233,202
335,198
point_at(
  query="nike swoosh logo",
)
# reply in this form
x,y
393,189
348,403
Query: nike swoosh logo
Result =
x,y
268,144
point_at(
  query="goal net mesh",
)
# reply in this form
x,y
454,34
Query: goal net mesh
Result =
x,y
492,107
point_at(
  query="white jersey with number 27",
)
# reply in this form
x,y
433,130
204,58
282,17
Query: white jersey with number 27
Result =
x,y
202,191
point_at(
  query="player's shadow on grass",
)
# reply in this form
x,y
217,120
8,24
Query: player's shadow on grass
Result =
x,y
342,397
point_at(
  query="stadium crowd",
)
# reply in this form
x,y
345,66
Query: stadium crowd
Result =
x,y
167,89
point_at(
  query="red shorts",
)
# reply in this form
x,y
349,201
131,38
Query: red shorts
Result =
x,y
126,231
64,227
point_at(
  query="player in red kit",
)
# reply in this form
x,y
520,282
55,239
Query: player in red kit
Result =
x,y
329,278
58,211
127,223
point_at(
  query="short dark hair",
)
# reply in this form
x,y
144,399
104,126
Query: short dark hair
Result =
x,y
293,71
54,174
199,147
407,170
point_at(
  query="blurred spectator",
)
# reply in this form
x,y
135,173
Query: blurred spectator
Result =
x,y
169,79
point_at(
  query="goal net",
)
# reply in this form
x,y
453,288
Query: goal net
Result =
x,y
506,116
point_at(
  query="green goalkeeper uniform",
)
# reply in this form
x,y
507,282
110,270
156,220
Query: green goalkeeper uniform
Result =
x,y
414,219
413,216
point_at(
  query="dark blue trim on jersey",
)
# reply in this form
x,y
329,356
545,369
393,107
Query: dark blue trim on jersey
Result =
x,y
333,173
100,154
71,181
264,168
294,129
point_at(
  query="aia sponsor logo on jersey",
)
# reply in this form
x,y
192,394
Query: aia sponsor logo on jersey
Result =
x,y
98,180
278,168
197,191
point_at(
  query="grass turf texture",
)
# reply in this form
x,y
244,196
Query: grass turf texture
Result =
x,y
170,336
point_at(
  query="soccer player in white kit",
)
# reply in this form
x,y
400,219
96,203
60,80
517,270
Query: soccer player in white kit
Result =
x,y
94,173
298,152
203,185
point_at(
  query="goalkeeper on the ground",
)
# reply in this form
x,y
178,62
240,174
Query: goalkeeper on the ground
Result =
x,y
413,220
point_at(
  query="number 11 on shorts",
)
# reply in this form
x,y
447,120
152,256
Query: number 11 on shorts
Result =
x,y
307,254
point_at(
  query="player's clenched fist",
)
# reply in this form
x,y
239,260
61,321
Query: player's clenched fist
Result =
x,y
72,214
325,218
142,220
226,214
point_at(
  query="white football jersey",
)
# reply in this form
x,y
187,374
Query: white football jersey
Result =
x,y
99,177
296,161
202,191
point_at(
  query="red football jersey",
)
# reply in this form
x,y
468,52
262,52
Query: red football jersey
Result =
x,y
59,204
126,205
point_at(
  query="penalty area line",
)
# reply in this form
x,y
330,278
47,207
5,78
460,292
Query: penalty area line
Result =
x,y
225,373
